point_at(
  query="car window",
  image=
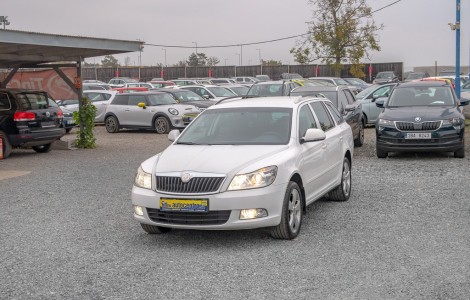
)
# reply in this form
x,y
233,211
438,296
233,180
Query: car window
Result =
x,y
334,113
349,97
94,97
342,101
4,102
136,99
120,100
160,99
306,120
184,96
324,118
29,101
221,92
381,92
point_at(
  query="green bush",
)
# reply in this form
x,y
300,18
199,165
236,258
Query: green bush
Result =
x,y
85,139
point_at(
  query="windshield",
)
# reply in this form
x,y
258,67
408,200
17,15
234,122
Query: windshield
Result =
x,y
221,92
421,96
240,126
385,75
266,90
365,92
340,81
413,76
160,99
185,96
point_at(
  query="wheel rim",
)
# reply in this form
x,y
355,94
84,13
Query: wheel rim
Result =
x,y
295,210
346,178
161,125
110,124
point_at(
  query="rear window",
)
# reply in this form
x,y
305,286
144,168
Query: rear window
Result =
x,y
32,101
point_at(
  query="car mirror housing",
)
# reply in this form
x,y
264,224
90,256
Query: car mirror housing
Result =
x,y
173,135
350,107
141,105
380,102
313,135
464,101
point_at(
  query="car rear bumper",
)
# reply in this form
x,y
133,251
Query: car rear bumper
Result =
x,y
29,139
226,206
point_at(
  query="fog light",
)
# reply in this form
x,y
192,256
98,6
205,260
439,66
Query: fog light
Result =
x,y
253,213
138,210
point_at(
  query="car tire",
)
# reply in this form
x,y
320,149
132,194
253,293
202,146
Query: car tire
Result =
x,y
359,141
67,130
343,191
152,229
6,145
381,153
112,124
42,148
162,125
292,214
460,153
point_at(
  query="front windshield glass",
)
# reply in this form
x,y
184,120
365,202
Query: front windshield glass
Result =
x,y
365,92
240,126
221,92
160,99
185,96
386,75
421,96
340,81
266,90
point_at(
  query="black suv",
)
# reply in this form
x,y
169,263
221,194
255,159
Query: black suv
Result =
x,y
28,118
345,102
421,116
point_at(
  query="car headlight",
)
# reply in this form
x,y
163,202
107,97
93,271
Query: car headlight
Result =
x,y
257,179
143,179
383,122
173,111
456,122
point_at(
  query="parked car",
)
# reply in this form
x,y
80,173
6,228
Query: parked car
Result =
x,y
138,84
421,116
217,81
29,119
183,82
95,86
385,77
210,92
68,122
334,81
290,76
447,72
100,99
237,89
358,83
119,82
147,110
246,79
284,154
368,97
161,84
343,99
416,75
188,97
272,88
263,77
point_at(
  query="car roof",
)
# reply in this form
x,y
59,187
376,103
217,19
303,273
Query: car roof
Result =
x,y
320,88
425,83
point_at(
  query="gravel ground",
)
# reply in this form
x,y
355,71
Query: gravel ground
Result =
x,y
67,232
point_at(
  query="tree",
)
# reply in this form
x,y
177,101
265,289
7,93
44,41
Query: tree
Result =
x,y
110,61
271,62
199,59
342,31
212,61
181,63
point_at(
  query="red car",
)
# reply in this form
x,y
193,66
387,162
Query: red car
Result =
x,y
131,90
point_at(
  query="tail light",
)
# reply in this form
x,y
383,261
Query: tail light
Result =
x,y
60,114
24,116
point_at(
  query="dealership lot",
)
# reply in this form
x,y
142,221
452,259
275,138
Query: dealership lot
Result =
x,y
67,232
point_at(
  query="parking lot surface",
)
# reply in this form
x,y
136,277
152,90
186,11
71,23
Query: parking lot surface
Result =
x,y
67,232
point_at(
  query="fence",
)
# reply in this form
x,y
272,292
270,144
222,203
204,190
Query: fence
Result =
x,y
274,72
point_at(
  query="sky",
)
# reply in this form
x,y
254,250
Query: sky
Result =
x,y
416,32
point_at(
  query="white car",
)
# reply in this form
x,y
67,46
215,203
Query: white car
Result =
x,y
99,98
247,163
210,92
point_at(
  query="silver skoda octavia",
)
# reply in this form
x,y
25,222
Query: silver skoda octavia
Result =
x,y
247,163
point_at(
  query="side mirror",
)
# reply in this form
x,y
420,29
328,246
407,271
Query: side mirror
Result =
x,y
206,97
350,107
173,135
313,135
464,101
141,105
380,102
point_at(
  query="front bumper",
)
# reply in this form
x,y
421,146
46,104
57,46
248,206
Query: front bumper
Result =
x,y
445,139
270,198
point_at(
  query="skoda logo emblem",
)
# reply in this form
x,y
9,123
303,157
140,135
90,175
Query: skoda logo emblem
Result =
x,y
418,119
186,177
48,114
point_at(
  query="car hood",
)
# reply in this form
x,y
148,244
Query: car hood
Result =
x,y
220,159
426,113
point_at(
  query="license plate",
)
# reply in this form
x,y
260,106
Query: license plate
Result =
x,y
48,124
186,205
69,122
418,135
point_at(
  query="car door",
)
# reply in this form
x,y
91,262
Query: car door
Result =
x,y
372,110
349,116
139,116
333,154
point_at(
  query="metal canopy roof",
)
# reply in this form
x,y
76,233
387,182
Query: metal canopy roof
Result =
x,y
29,49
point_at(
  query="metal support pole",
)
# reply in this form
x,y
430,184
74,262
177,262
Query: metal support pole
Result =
x,y
457,46
80,99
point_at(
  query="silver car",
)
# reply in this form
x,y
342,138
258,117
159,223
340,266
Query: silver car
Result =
x,y
247,163
368,97
148,110
99,98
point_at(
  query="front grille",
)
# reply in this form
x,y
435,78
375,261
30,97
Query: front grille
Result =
x,y
197,185
189,218
424,126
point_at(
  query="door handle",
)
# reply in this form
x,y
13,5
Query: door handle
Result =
x,y
324,146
